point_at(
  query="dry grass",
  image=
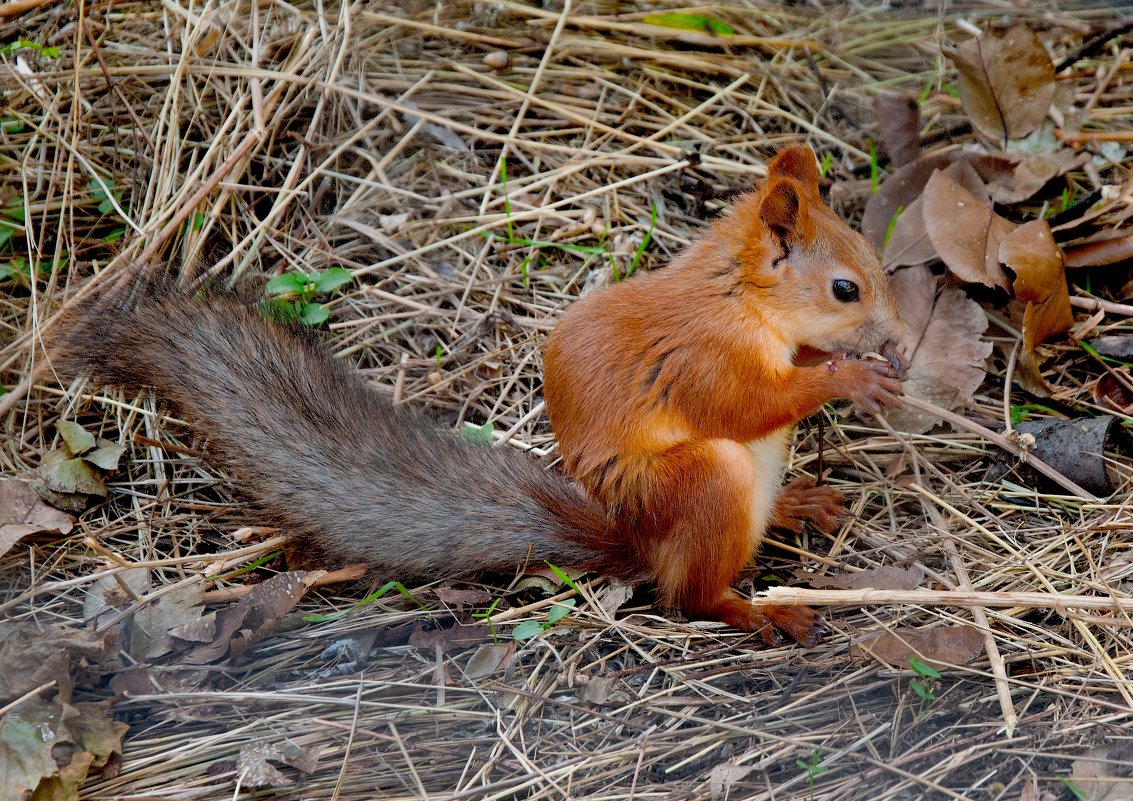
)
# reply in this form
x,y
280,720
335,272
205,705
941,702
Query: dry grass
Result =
x,y
242,139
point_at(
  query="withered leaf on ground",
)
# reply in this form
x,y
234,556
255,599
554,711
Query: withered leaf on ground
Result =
x,y
1009,177
944,341
1114,390
910,242
255,769
887,577
253,617
151,625
450,638
32,657
964,229
1040,281
48,748
460,597
1006,81
899,123
1107,247
942,645
488,659
23,512
1102,773
898,191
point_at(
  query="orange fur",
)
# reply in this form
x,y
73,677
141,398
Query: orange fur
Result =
x,y
674,394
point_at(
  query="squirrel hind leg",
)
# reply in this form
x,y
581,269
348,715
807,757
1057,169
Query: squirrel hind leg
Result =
x,y
801,623
705,537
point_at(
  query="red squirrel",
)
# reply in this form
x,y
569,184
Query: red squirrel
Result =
x,y
673,393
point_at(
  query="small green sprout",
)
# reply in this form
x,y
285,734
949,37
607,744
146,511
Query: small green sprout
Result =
x,y
106,195
813,769
486,616
480,434
529,628
25,44
921,686
827,161
874,169
1078,792
369,599
644,243
889,228
293,295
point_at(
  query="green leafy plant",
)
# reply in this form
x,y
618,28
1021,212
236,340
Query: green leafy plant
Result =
x,y
70,476
26,44
106,195
824,167
1023,411
1078,792
889,228
19,269
486,616
481,434
874,169
690,22
922,685
293,295
530,628
369,599
813,768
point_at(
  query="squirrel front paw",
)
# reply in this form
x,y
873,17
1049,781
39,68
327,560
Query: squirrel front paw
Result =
x,y
870,383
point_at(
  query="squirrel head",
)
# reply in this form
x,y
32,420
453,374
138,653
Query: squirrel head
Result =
x,y
803,270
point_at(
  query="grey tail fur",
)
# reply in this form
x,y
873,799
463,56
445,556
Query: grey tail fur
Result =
x,y
327,460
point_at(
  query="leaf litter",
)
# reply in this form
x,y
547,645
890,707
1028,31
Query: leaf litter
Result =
x,y
384,141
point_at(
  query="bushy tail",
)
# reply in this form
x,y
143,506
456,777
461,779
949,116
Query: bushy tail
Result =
x,y
327,460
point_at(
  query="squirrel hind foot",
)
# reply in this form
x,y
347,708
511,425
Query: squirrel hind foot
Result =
x,y
802,624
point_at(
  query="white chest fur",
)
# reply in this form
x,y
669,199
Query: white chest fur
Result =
x,y
768,459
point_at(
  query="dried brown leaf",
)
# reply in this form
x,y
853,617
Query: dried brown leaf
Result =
x,y
1109,247
48,748
451,638
964,230
1032,254
888,577
942,645
152,625
908,243
898,192
489,659
255,770
899,122
32,657
1006,81
458,597
253,617
1040,281
23,512
1114,390
1102,774
944,340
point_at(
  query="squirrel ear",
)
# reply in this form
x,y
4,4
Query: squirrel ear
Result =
x,y
781,209
795,161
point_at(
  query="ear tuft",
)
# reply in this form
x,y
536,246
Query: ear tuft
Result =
x,y
781,208
795,161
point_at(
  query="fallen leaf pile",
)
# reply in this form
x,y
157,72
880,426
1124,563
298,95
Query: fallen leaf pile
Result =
x,y
990,225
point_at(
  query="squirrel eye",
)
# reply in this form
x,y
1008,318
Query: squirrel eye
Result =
x,y
845,291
